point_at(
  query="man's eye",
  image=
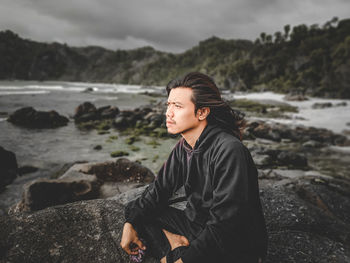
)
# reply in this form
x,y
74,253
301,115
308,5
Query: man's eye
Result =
x,y
177,106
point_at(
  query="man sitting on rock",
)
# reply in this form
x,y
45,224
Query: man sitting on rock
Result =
x,y
223,219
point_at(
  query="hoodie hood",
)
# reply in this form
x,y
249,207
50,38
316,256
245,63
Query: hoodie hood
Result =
x,y
206,137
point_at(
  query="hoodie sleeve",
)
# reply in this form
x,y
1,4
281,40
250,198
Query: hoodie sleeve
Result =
x,y
230,200
157,194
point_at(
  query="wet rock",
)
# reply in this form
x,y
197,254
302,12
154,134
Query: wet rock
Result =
x,y
295,97
292,159
341,104
312,144
278,132
262,160
85,108
30,118
44,193
98,147
307,221
322,105
108,112
88,112
121,170
266,157
26,169
8,167
86,231
83,182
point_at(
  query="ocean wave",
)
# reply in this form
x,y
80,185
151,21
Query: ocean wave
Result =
x,y
55,87
24,92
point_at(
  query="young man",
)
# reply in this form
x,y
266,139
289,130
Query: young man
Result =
x,y
223,220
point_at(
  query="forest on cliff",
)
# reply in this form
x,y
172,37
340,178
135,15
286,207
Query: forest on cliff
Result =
x,y
311,60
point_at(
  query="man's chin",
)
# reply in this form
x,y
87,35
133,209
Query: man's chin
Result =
x,y
172,132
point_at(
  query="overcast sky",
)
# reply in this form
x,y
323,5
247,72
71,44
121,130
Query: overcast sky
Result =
x,y
167,25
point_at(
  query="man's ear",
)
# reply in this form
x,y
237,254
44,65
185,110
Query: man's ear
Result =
x,y
203,113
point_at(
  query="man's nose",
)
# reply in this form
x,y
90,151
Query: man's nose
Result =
x,y
169,112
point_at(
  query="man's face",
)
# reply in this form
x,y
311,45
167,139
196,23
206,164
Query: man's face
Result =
x,y
180,117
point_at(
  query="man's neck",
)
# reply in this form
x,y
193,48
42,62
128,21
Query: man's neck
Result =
x,y
191,136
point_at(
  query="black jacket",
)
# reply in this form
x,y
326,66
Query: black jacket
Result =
x,y
221,185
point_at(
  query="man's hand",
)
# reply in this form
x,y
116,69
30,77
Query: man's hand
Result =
x,y
130,237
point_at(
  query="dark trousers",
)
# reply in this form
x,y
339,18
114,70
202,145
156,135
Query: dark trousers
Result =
x,y
172,220
175,221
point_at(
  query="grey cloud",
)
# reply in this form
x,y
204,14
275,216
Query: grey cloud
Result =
x,y
165,24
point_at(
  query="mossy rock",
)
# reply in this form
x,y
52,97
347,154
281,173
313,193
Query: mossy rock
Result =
x,y
131,139
153,143
119,153
134,148
102,132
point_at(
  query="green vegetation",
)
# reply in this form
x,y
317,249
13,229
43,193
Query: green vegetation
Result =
x,y
255,108
134,148
119,153
312,60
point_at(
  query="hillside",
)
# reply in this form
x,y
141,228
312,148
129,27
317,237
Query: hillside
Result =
x,y
311,60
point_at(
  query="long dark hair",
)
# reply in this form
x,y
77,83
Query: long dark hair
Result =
x,y
205,93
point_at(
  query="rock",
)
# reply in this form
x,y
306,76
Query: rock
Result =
x,y
26,169
278,132
83,182
88,112
44,193
292,159
119,154
341,104
307,220
322,105
87,231
262,160
8,167
121,170
265,157
312,144
108,112
30,118
98,147
82,109
295,97
88,90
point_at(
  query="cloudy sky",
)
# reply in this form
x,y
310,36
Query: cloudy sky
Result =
x,y
167,25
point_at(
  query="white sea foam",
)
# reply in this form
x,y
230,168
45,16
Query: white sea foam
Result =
x,y
333,118
55,88
23,92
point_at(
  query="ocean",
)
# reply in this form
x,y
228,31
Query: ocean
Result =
x,y
51,150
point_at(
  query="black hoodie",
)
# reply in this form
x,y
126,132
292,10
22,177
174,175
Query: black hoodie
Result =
x,y
221,185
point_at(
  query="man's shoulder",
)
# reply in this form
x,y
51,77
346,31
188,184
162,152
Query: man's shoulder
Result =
x,y
226,138
227,142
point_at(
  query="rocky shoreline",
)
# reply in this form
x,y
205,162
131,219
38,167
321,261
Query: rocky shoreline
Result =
x,y
307,219
77,217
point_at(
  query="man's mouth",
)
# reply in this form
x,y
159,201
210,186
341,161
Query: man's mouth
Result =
x,y
170,122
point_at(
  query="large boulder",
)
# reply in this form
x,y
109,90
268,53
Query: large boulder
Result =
x,y
8,167
88,112
83,182
307,220
86,231
31,118
277,131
